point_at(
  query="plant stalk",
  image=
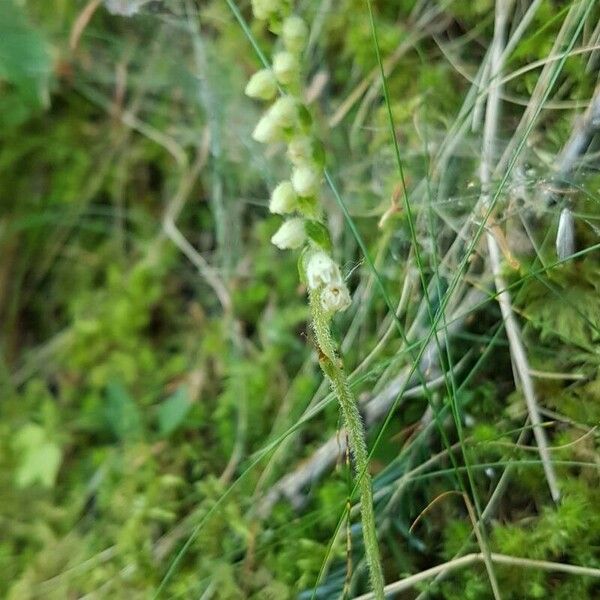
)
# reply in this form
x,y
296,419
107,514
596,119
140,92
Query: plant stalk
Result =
x,y
333,369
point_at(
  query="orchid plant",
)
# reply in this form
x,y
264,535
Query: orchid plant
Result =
x,y
297,199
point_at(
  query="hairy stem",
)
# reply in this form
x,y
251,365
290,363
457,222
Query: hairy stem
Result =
x,y
333,369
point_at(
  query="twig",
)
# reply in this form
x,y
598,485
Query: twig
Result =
x,y
295,497
291,485
559,376
574,148
242,408
561,166
489,137
542,88
400,484
469,559
379,405
522,366
430,23
324,457
132,121
81,22
513,332
174,234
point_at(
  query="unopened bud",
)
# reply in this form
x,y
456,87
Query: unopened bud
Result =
x,y
262,85
283,199
284,112
294,33
286,67
264,9
267,130
306,181
290,235
300,150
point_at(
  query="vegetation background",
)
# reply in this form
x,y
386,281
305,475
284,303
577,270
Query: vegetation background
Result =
x,y
161,400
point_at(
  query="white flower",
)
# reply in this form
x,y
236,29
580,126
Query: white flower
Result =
x,y
283,199
294,33
267,130
306,181
286,67
281,115
263,9
290,235
321,270
262,85
300,150
335,298
284,111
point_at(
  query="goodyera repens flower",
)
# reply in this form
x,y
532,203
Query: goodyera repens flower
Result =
x,y
335,298
264,9
267,130
281,116
283,199
323,275
284,111
294,33
291,235
286,120
321,270
286,67
306,181
290,121
262,85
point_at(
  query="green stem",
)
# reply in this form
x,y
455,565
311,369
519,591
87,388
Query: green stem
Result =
x,y
333,369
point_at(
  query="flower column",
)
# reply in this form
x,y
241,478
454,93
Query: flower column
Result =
x,y
297,199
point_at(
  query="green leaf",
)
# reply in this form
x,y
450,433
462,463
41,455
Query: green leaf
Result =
x,y
302,264
39,458
319,155
305,116
122,414
570,313
24,55
318,233
173,411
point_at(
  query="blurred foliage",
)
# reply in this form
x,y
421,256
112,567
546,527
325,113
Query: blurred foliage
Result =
x,y
135,404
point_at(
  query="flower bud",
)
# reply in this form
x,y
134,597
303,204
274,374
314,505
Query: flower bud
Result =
x,y
290,235
286,67
262,85
294,33
335,298
322,270
263,9
284,112
300,150
306,181
267,130
283,199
